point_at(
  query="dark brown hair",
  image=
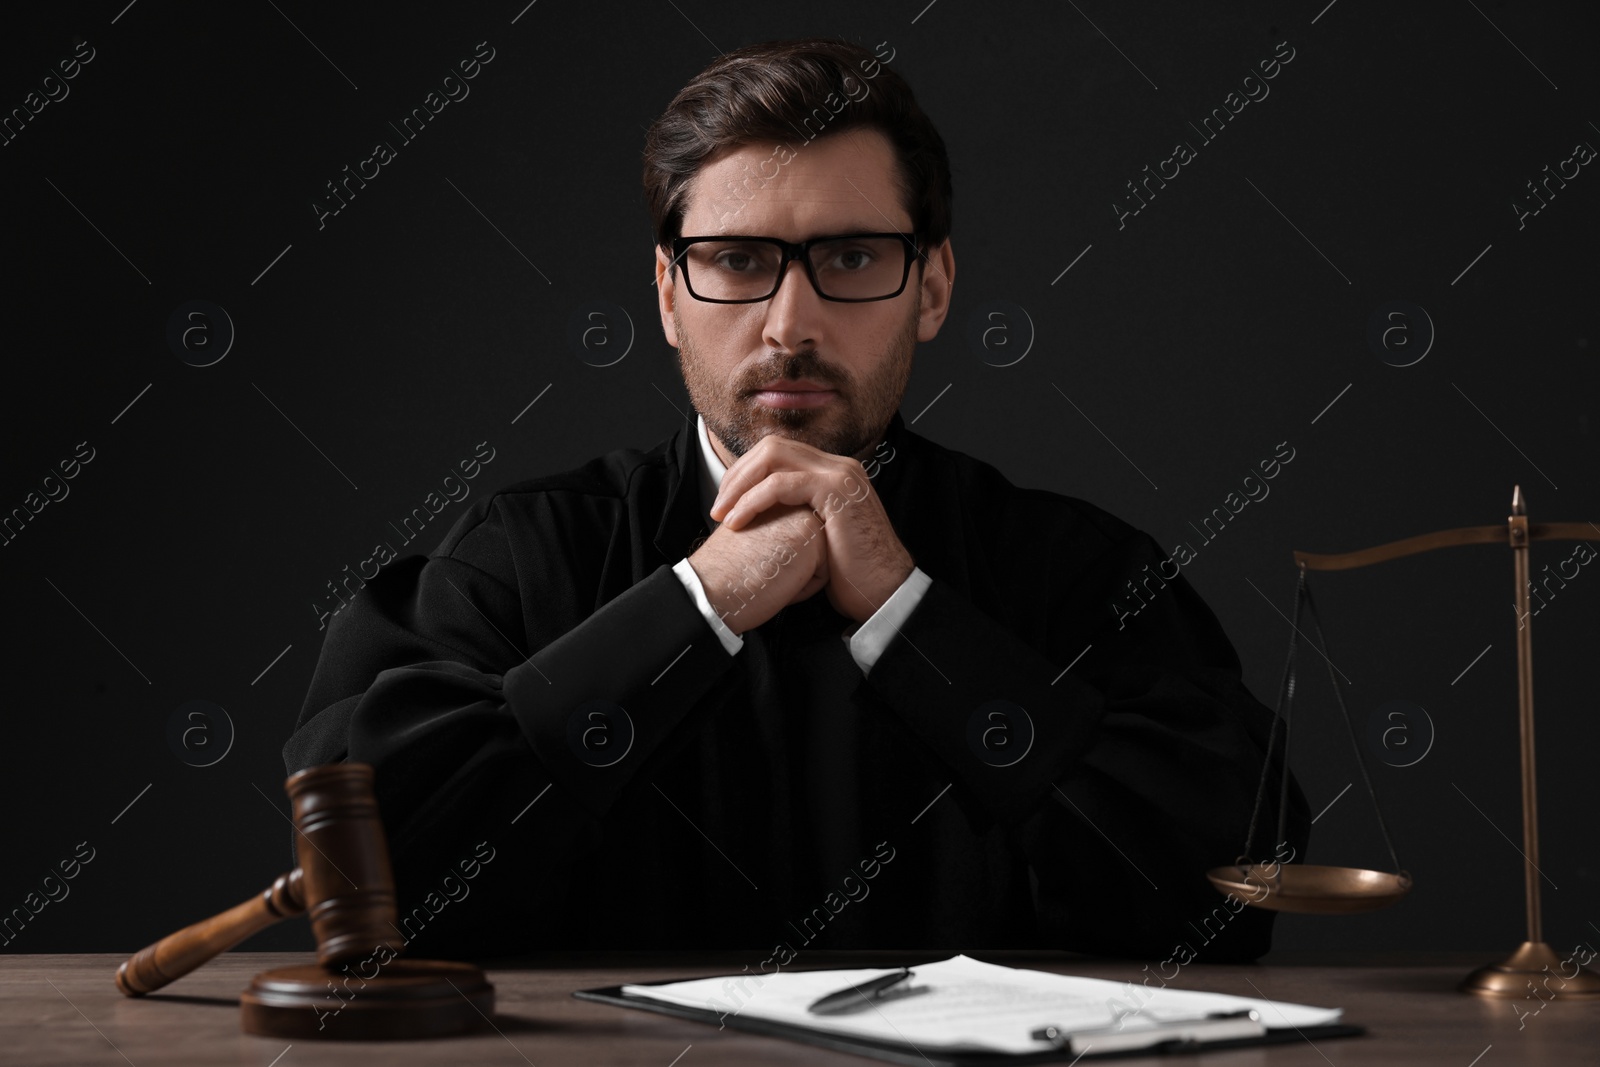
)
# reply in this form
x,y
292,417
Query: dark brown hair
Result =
x,y
780,91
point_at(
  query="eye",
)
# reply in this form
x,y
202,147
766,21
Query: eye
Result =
x,y
853,259
746,258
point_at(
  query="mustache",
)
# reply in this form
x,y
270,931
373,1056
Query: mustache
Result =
x,y
800,365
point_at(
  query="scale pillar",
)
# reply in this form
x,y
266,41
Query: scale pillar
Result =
x,y
1530,970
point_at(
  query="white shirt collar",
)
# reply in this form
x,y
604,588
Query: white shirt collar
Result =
x,y
711,471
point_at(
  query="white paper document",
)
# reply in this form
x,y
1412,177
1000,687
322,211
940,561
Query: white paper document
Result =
x,y
963,1004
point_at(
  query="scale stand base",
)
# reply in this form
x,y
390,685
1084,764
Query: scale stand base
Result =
x,y
1534,969
409,999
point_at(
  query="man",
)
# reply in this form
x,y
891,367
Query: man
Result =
x,y
799,677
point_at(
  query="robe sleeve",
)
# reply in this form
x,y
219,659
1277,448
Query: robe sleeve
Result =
x,y
426,675
1145,756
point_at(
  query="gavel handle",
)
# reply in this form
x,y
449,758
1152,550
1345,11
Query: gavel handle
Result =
x,y
177,954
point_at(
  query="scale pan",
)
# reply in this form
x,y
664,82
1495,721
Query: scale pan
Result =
x,y
1311,889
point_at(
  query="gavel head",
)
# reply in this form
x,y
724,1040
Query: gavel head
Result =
x,y
346,881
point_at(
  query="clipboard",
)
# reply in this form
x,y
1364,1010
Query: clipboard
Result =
x,y
900,1053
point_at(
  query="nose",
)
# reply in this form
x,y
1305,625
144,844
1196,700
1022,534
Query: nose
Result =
x,y
794,312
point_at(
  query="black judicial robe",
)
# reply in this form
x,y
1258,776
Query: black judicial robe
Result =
x,y
781,797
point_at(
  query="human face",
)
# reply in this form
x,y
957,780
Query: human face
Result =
x,y
860,354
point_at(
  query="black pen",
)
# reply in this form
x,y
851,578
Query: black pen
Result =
x,y
852,996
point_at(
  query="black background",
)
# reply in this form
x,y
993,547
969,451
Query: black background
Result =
x,y
1175,354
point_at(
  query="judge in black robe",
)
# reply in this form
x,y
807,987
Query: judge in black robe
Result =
x,y
566,755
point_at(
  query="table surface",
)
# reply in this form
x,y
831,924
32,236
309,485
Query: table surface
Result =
x,y
61,1009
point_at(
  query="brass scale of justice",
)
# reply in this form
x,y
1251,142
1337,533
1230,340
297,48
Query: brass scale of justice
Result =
x,y
1346,890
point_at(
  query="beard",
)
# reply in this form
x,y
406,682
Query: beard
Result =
x,y
851,424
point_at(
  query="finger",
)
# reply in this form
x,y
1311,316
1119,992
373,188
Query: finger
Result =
x,y
733,486
772,453
747,470
782,487
819,490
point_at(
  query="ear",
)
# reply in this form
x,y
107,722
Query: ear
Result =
x,y
666,295
938,278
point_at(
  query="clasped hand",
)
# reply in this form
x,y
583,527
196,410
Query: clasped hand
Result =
x,y
767,553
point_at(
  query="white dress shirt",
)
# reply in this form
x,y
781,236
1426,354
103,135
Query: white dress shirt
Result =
x,y
866,642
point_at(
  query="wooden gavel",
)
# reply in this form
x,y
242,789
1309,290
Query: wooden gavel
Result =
x,y
351,902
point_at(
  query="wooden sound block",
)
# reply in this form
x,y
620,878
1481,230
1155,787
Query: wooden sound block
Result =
x,y
405,999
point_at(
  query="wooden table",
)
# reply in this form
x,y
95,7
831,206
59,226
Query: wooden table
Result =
x,y
64,1009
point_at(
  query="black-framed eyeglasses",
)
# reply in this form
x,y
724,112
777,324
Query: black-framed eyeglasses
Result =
x,y
848,267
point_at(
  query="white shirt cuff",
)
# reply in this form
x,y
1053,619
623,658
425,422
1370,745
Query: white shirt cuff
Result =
x,y
731,641
874,635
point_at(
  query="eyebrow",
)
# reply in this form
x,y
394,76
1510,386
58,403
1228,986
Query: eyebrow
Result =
x,y
844,228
